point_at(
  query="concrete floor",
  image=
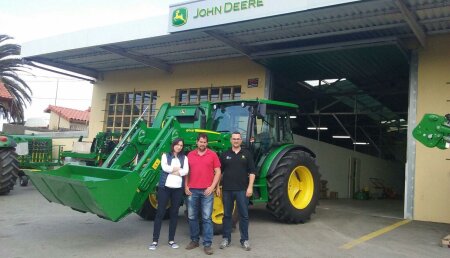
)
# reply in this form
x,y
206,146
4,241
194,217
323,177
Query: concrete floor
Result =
x,y
32,227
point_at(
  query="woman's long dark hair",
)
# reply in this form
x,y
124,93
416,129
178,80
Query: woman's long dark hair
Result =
x,y
175,142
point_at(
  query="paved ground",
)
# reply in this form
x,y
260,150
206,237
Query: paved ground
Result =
x,y
32,227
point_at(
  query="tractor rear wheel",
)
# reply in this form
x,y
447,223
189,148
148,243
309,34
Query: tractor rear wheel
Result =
x,y
9,169
148,210
294,187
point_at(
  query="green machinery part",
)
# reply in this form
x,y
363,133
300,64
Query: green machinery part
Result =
x,y
102,145
37,155
40,152
433,131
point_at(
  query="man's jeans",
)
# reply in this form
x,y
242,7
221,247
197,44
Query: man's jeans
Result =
x,y
228,198
197,204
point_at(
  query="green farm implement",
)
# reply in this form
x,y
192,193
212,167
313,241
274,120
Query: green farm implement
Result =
x,y
18,152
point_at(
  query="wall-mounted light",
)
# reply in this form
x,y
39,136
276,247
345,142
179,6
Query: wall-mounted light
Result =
x,y
361,143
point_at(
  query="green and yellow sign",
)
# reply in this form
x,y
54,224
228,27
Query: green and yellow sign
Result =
x,y
179,17
228,7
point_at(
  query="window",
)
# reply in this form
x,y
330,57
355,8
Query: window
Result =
x,y
123,108
196,95
232,118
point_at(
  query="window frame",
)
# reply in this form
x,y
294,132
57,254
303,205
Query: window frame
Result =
x,y
119,117
180,99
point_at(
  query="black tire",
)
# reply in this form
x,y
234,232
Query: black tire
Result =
x,y
290,201
9,170
148,210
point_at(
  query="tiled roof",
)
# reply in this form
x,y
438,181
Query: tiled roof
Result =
x,y
4,93
72,115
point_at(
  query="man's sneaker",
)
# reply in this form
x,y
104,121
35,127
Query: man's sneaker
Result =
x,y
192,245
173,245
224,243
208,250
246,245
153,246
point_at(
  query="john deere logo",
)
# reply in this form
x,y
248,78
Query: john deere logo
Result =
x,y
179,17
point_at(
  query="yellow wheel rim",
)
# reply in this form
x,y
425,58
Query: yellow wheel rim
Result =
x,y
300,187
154,201
217,213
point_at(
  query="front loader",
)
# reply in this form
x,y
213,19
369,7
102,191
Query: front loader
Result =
x,y
287,178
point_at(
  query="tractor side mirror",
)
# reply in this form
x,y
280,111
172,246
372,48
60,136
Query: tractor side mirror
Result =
x,y
261,110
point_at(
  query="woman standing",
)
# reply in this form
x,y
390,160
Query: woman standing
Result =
x,y
174,166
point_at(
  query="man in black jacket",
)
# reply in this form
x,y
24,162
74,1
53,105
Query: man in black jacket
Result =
x,y
238,175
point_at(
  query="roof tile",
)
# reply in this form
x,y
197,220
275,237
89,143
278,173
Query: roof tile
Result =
x,y
72,115
4,93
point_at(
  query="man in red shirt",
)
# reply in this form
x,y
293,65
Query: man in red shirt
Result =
x,y
204,174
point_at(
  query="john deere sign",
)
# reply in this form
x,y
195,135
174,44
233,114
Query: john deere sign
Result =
x,y
228,7
179,17
207,13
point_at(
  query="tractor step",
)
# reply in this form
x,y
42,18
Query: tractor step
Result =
x,y
106,192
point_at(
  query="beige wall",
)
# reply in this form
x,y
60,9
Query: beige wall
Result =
x,y
432,179
230,72
334,166
65,144
55,120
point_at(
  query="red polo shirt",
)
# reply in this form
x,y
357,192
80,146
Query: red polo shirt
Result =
x,y
201,168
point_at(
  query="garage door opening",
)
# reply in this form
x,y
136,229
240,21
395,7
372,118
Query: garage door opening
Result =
x,y
353,114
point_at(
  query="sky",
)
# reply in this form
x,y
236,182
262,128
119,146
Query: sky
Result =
x,y
28,20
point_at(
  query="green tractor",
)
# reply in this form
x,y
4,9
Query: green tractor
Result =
x,y
20,152
287,180
9,165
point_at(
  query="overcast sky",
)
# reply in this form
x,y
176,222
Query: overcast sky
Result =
x,y
27,20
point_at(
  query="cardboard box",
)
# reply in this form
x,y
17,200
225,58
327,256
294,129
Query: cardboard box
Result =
x,y
445,242
82,147
334,195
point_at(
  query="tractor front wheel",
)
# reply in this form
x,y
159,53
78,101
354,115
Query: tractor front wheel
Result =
x,y
148,210
294,188
9,170
218,213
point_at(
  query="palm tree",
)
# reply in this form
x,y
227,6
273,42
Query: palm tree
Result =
x,y
10,64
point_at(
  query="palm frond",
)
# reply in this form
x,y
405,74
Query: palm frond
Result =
x,y
10,64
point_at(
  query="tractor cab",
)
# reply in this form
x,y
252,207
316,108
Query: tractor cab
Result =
x,y
263,124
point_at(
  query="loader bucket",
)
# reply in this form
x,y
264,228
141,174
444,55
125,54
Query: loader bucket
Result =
x,y
105,192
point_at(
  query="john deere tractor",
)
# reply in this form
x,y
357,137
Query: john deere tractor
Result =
x,y
287,180
18,152
9,166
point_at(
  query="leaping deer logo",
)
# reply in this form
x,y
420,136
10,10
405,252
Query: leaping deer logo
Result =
x,y
179,17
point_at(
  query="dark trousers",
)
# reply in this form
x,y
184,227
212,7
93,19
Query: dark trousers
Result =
x,y
228,198
164,195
